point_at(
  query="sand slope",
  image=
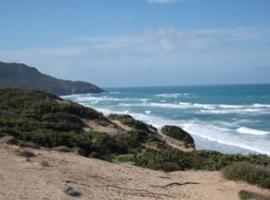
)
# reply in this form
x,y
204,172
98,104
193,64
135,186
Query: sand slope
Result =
x,y
29,180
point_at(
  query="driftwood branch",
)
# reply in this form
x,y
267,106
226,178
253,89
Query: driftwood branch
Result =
x,y
74,182
176,183
142,192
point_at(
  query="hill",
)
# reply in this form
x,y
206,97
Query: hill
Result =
x,y
17,75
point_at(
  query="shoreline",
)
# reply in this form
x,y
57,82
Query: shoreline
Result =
x,y
233,119
52,146
234,148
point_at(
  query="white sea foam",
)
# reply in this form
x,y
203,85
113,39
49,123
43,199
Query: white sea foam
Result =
x,y
148,112
251,131
181,105
143,100
204,108
100,99
225,137
172,95
185,103
233,111
257,105
231,106
114,92
166,105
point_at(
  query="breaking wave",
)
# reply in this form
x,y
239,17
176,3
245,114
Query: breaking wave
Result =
x,y
251,131
171,95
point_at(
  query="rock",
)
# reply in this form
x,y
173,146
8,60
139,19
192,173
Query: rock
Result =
x,y
9,140
69,190
45,163
44,148
29,145
62,148
26,153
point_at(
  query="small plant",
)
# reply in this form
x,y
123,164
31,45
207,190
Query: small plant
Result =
x,y
253,174
245,195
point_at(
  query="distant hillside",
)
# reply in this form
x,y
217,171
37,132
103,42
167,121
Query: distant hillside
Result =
x,y
22,76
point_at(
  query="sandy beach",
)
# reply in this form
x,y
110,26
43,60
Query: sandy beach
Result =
x,y
23,179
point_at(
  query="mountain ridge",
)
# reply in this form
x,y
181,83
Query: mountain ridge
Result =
x,y
19,75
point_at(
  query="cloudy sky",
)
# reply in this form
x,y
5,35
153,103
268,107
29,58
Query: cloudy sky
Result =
x,y
140,42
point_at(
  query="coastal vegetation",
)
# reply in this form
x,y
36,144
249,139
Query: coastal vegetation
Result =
x,y
48,121
133,123
198,160
246,195
178,134
253,174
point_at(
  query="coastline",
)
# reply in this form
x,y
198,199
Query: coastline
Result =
x,y
233,122
52,136
204,142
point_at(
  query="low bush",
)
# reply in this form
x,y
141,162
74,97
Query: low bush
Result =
x,y
178,134
133,123
198,160
245,195
249,173
122,158
167,160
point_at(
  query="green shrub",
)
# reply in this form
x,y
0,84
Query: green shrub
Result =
x,y
125,142
167,160
133,123
122,158
101,142
178,134
81,111
198,160
44,119
121,143
245,195
249,173
212,160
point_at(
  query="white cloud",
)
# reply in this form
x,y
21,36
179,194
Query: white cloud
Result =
x,y
161,1
160,50
166,39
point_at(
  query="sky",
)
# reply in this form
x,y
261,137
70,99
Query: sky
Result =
x,y
122,43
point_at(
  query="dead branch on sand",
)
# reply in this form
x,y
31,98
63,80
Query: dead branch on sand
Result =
x,y
176,183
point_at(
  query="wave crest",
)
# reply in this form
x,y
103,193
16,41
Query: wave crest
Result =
x,y
251,131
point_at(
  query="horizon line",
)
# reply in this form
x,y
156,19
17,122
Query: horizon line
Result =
x,y
186,85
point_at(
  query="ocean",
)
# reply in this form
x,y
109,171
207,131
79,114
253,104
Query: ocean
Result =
x,y
225,118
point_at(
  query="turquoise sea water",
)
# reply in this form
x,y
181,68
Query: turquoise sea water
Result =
x,y
230,118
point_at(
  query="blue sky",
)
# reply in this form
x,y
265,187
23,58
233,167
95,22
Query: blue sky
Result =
x,y
140,42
